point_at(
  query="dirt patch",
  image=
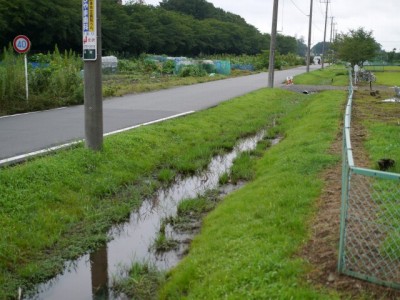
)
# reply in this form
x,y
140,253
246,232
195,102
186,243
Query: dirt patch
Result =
x,y
322,249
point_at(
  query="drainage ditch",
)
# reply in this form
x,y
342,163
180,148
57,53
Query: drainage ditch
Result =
x,y
90,276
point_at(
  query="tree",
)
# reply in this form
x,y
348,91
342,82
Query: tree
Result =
x,y
116,27
286,44
199,9
391,55
175,27
45,22
317,48
301,47
356,47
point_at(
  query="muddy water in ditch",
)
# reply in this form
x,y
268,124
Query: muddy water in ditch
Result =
x,y
90,276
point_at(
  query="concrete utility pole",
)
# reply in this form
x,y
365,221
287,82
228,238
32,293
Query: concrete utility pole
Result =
x,y
331,40
326,22
332,25
309,37
272,47
92,73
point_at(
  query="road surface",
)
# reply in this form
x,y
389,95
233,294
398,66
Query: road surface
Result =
x,y
29,134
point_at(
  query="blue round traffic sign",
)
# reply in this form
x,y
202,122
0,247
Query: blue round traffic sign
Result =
x,y
21,44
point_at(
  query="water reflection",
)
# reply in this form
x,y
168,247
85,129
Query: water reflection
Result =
x,y
99,273
90,276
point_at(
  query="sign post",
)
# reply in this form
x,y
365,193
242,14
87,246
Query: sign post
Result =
x,y
91,32
22,45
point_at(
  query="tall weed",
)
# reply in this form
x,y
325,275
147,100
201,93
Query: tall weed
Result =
x,y
54,80
12,80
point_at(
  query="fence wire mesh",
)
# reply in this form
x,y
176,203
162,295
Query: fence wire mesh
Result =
x,y
370,220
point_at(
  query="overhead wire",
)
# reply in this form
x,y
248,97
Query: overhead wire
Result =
x,y
283,8
299,9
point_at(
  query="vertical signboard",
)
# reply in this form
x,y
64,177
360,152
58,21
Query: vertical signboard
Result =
x,y
22,44
89,29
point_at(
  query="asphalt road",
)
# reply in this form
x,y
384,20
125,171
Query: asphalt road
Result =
x,y
28,134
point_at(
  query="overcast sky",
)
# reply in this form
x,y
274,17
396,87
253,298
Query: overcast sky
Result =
x,y
381,17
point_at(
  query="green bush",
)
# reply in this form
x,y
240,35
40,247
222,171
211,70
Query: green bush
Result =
x,y
192,71
168,67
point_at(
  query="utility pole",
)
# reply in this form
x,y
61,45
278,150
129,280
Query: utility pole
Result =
x,y
309,37
332,25
92,74
272,47
326,22
331,40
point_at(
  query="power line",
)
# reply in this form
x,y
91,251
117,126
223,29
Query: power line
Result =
x,y
283,8
321,10
317,27
298,8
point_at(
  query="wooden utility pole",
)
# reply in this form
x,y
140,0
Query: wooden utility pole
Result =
x,y
326,22
92,74
309,37
272,47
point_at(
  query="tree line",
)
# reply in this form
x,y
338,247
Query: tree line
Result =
x,y
175,27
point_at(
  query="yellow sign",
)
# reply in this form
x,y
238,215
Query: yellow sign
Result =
x,y
92,12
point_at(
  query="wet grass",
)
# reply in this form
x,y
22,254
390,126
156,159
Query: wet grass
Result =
x,y
243,168
248,244
166,176
197,206
333,75
142,283
190,212
60,206
164,243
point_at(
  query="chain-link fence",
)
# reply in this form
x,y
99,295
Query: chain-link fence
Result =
x,y
370,218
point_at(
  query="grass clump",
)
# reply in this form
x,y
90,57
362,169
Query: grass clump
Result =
x,y
166,176
190,212
243,168
164,243
142,282
198,206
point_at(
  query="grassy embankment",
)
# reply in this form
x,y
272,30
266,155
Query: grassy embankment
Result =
x,y
247,247
57,207
248,244
334,75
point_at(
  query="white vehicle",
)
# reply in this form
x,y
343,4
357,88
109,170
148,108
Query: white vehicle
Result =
x,y
317,60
